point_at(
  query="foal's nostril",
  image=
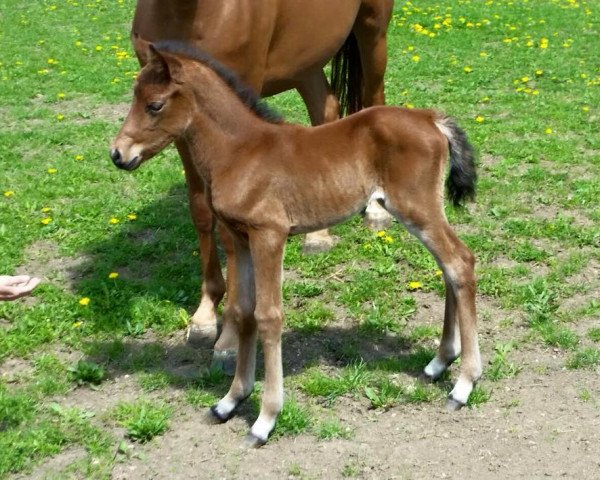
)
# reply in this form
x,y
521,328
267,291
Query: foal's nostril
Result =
x,y
115,155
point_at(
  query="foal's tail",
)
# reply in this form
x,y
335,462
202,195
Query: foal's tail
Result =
x,y
462,178
347,77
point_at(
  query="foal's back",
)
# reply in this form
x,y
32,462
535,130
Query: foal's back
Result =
x,y
317,177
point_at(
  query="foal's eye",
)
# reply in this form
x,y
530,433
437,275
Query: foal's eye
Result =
x,y
155,107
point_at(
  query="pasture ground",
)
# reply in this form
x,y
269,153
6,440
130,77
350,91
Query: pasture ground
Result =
x,y
95,378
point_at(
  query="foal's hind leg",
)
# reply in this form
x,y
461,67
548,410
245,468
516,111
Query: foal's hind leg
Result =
x,y
458,264
370,30
203,326
449,348
323,107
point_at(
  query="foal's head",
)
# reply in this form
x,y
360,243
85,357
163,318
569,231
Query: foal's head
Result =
x,y
162,109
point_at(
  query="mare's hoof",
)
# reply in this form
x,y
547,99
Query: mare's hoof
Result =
x,y
213,417
453,405
379,221
252,441
314,245
224,360
199,336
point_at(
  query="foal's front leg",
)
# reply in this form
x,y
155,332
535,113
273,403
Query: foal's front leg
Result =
x,y
239,311
267,249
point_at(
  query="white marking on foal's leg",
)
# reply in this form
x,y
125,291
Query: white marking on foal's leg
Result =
x,y
460,393
436,368
223,410
377,217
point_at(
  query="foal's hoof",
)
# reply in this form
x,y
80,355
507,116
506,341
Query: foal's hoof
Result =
x,y
224,360
200,336
378,221
318,244
252,441
453,405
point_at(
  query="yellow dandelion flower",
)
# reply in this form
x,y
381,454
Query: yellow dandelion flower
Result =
x,y
77,324
525,79
85,301
131,216
409,105
535,92
539,72
98,48
438,273
52,61
585,108
9,193
479,119
60,96
483,54
46,209
52,171
60,117
381,233
388,239
468,69
416,58
415,285
544,43
79,158
43,71
46,221
113,275
548,131
114,221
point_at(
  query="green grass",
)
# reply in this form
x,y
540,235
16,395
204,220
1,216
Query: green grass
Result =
x,y
143,420
67,214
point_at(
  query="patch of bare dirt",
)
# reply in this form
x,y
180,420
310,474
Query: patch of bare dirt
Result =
x,y
525,431
44,261
55,467
13,370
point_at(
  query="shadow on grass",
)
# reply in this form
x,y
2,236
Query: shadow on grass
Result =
x,y
137,320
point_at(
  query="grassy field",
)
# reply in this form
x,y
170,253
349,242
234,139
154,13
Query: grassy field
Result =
x,y
119,254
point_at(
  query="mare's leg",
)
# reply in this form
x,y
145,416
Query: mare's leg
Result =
x,y
239,312
267,254
226,347
426,220
322,106
370,29
203,326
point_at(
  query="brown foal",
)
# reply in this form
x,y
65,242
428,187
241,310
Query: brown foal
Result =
x,y
266,180
273,45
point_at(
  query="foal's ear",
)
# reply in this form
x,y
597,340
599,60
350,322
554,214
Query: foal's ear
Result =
x,y
164,63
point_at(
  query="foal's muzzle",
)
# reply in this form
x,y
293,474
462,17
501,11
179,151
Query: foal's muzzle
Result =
x,y
117,158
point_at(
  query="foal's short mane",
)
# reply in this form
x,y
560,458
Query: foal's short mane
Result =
x,y
245,93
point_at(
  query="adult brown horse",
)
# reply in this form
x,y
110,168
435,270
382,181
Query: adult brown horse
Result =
x,y
266,180
273,45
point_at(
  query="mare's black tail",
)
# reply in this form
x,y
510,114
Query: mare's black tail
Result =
x,y
347,77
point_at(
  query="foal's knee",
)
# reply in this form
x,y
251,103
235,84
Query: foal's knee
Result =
x,y
269,321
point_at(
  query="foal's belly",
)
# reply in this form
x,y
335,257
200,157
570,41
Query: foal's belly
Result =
x,y
325,211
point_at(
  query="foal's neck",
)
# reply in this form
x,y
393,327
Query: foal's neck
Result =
x,y
222,125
